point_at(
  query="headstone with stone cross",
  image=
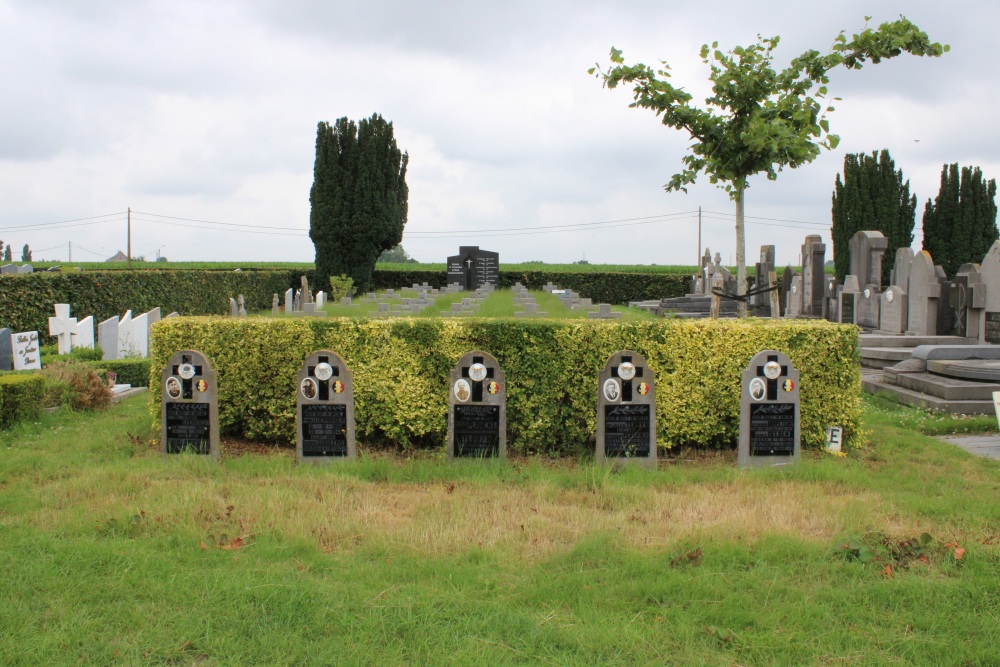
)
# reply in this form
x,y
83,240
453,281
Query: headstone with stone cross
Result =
x,y
477,408
107,337
813,258
26,354
234,309
241,310
626,410
325,410
62,326
769,412
924,296
893,311
989,275
6,350
189,407
867,248
847,301
275,307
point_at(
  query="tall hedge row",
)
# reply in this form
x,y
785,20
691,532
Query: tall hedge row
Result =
x,y
26,300
401,374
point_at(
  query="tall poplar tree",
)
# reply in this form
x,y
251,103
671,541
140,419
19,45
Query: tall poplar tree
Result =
x,y
758,120
359,198
871,196
960,224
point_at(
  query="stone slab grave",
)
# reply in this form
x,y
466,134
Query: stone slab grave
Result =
x,y
604,312
324,417
989,274
26,354
869,301
189,410
6,350
866,250
847,301
626,410
893,311
924,296
769,412
472,268
477,408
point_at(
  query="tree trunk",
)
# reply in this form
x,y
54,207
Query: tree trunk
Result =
x,y
741,259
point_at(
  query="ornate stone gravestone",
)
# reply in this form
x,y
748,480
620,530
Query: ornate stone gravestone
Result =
x,y
989,274
325,410
769,412
6,350
867,248
626,410
924,295
472,268
813,257
893,311
477,408
26,354
189,411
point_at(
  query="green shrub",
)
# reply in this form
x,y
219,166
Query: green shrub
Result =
x,y
133,371
401,373
75,385
20,397
340,286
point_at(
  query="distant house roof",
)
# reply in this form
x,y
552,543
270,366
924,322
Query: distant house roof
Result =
x,y
120,257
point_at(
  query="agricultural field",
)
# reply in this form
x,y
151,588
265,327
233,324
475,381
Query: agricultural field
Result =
x,y
116,555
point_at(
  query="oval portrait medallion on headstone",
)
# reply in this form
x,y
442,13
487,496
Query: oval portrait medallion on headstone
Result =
x,y
612,391
308,388
477,372
757,389
173,387
186,371
338,387
626,370
772,370
462,390
324,371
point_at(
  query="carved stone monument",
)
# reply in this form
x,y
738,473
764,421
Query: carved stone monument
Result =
x,y
924,296
813,258
867,249
472,268
477,408
324,410
189,411
26,354
893,311
990,314
769,412
626,410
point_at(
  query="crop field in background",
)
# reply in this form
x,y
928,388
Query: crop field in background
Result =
x,y
114,554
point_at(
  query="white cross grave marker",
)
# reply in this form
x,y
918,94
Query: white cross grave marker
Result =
x,y
62,326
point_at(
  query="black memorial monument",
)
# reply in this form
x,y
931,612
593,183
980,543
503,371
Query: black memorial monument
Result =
x,y
324,416
189,411
626,410
769,412
472,268
477,408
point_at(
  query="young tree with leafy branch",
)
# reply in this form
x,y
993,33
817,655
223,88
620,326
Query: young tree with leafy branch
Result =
x,y
758,120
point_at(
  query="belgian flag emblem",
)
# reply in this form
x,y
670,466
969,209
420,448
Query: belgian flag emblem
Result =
x,y
643,388
788,385
338,387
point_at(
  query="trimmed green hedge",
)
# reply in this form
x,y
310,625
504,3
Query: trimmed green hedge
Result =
x,y
20,397
128,371
401,374
26,300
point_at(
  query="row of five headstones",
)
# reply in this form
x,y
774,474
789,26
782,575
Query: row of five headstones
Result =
x,y
477,409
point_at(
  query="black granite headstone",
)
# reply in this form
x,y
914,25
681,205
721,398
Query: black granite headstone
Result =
x,y
626,410
189,406
472,268
325,409
477,408
769,412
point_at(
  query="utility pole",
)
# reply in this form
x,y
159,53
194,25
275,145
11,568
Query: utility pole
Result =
x,y
697,262
129,237
70,252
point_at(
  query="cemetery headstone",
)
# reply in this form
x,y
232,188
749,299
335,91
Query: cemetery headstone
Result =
x,y
847,301
139,340
900,274
866,249
241,310
794,306
325,410
769,412
8,269
6,350
893,311
26,268
626,410
472,268
26,354
786,287
234,310
477,408
275,307
107,337
189,411
989,276
868,303
761,280
62,326
924,296
84,334
813,258
125,335
289,300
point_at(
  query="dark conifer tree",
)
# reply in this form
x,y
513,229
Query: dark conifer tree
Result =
x,y
26,253
359,198
8,254
871,196
960,224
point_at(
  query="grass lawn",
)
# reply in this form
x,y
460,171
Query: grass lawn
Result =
x,y
112,554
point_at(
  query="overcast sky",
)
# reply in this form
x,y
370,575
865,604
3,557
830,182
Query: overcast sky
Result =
x,y
207,111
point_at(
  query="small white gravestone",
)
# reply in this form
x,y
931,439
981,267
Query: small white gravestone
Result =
x,y
834,438
996,404
107,337
26,355
62,326
125,335
139,345
84,334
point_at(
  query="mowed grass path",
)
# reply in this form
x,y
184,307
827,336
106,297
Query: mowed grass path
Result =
x,y
112,554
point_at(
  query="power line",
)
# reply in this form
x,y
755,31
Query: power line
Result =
x,y
650,218
63,222
214,222
754,217
546,231
214,229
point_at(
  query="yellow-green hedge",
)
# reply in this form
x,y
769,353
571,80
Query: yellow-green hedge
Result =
x,y
401,373
20,397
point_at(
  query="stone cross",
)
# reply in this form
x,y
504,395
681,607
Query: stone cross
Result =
x,y
62,326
